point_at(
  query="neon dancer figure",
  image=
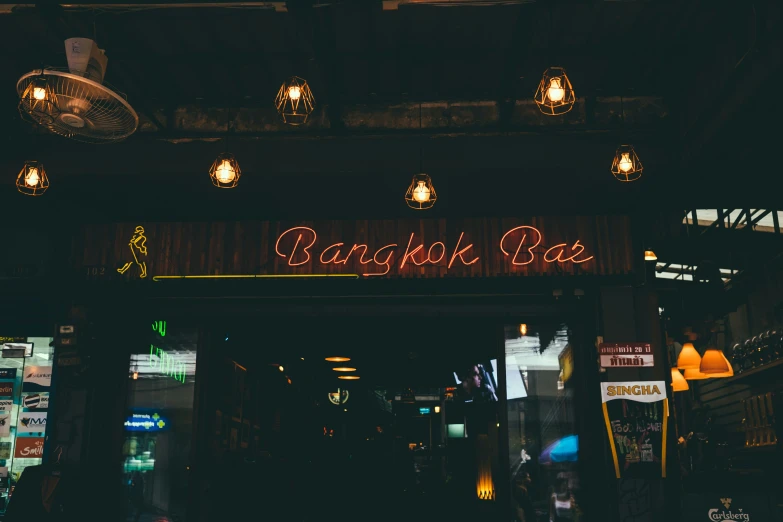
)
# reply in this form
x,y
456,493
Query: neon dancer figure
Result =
x,y
137,242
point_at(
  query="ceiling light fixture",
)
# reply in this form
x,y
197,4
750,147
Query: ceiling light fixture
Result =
x,y
626,165
338,359
678,381
555,94
39,101
295,101
344,369
225,171
421,193
649,255
729,373
689,358
349,377
32,179
713,361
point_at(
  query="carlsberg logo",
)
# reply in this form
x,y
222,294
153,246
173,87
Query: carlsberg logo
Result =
x,y
717,515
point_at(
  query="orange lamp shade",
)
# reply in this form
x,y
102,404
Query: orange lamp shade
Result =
x,y
714,362
678,381
689,358
729,373
693,374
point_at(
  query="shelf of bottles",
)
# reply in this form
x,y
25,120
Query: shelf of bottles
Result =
x,y
758,351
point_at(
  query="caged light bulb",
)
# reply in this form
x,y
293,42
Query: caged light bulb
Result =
x,y
32,179
556,92
39,93
625,162
421,193
225,172
294,92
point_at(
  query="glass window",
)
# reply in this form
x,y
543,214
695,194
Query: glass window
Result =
x,y
543,443
159,424
25,381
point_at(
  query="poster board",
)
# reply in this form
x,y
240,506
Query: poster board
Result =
x,y
636,415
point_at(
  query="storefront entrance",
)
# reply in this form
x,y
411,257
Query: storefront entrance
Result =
x,y
401,417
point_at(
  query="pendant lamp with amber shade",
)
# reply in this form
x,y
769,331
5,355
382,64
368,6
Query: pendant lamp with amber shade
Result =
x,y
714,362
678,381
689,358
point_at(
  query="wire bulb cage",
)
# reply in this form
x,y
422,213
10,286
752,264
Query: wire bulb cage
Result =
x,y
38,101
32,179
225,171
421,193
555,94
295,101
626,165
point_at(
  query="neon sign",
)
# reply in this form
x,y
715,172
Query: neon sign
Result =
x,y
160,327
166,364
146,422
521,244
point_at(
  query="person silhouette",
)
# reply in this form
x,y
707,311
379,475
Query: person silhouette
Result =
x,y
137,242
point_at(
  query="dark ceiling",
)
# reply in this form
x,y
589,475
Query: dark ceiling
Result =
x,y
402,85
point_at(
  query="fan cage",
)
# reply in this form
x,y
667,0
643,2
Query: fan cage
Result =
x,y
558,106
425,182
627,174
23,185
295,101
76,107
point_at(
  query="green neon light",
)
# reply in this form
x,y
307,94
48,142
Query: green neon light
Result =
x,y
252,276
162,361
160,327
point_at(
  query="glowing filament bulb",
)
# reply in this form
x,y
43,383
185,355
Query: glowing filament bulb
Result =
x,y
555,92
225,172
32,178
39,93
294,92
421,193
625,162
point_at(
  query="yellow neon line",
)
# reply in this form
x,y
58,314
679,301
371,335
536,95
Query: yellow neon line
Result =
x,y
252,276
665,422
611,441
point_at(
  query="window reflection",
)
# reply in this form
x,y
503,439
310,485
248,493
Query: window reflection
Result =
x,y
543,445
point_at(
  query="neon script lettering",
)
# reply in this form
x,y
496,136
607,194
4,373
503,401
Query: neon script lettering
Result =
x,y
527,239
166,364
297,246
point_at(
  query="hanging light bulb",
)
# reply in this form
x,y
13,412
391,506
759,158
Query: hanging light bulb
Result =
x,y
295,101
421,193
225,171
649,255
32,179
626,165
555,94
523,329
39,93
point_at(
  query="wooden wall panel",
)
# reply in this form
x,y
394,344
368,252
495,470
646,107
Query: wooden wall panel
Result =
x,y
252,247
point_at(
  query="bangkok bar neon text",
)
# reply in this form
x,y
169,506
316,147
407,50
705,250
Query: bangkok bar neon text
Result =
x,y
521,245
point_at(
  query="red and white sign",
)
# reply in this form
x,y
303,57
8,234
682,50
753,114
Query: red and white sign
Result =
x,y
29,448
625,355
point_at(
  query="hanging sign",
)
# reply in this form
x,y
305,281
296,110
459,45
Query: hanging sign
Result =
x,y
636,415
625,355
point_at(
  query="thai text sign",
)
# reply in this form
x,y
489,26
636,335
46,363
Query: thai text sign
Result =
x,y
625,355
